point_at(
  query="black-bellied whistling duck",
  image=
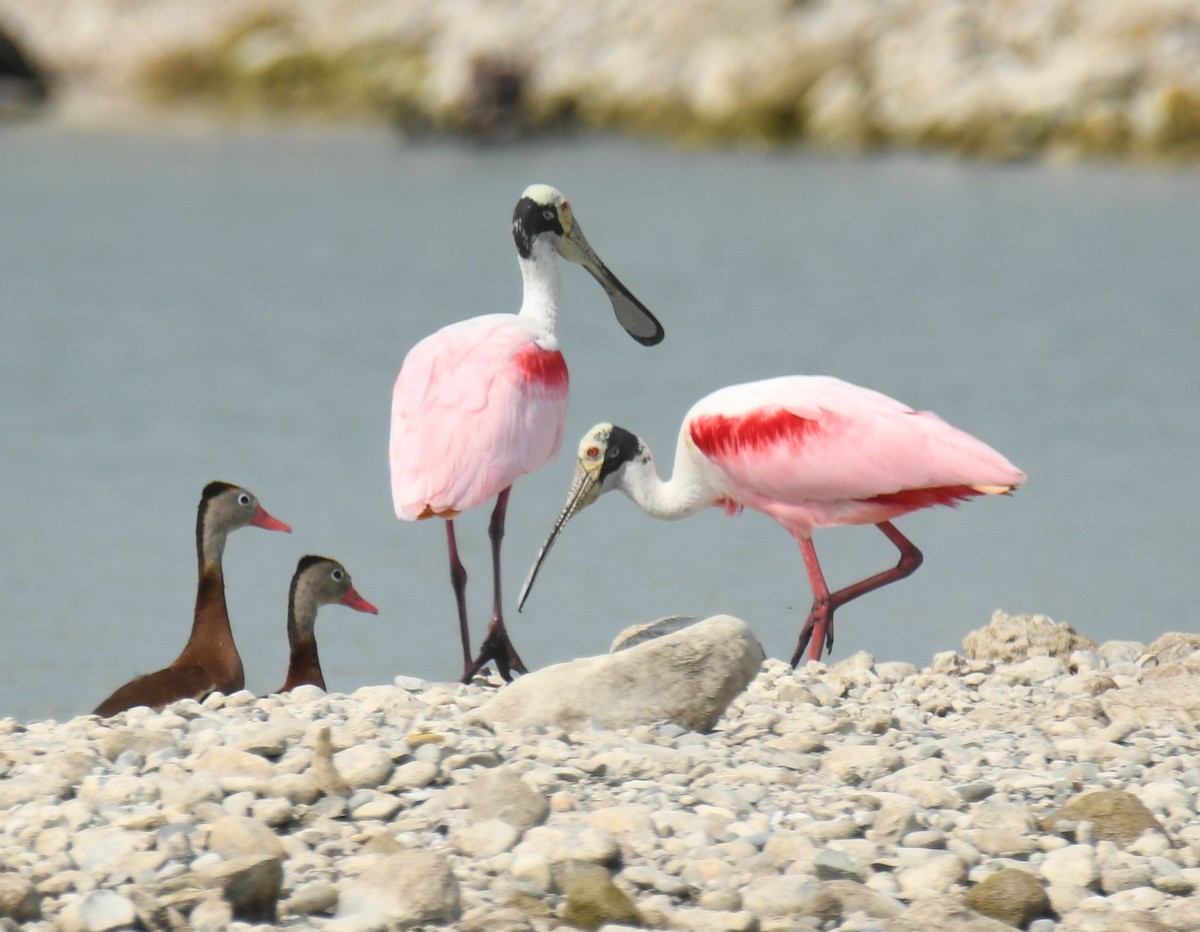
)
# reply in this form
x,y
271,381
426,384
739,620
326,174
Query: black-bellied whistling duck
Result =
x,y
317,581
210,661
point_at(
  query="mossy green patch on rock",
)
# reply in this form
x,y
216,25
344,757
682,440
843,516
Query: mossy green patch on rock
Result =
x,y
592,899
1179,130
1013,896
994,136
181,74
767,124
262,64
530,905
1103,133
1116,816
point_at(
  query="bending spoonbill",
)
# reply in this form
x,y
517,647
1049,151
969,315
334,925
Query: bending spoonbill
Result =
x,y
483,401
210,661
808,451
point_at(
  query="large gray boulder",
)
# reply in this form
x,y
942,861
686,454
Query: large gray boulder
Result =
x,y
688,678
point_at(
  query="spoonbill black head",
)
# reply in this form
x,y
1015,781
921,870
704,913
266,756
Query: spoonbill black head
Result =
x,y
543,212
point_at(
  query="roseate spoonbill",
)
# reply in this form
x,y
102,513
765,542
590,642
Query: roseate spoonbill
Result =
x,y
317,581
483,401
210,661
808,451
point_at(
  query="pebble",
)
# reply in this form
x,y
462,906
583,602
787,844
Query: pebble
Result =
x,y
881,809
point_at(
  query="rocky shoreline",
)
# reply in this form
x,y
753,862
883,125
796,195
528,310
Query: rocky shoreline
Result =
x,y
1037,780
995,78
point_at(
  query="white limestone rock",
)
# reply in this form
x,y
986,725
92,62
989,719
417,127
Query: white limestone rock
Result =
x,y
501,794
1073,866
364,765
936,872
98,911
314,897
241,836
855,764
571,842
403,890
1013,638
1171,701
484,839
227,762
688,677
97,850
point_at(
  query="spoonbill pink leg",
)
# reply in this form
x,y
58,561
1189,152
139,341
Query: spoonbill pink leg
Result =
x,y
496,644
458,579
819,625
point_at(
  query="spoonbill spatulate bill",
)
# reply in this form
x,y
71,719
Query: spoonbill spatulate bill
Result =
x,y
482,402
809,452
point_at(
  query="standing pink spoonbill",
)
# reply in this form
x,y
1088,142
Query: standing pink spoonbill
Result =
x,y
484,401
807,451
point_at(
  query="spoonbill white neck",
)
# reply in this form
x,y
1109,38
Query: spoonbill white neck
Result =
x,y
685,493
542,284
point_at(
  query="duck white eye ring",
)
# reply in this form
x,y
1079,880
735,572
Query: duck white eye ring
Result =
x,y
244,499
547,215
337,575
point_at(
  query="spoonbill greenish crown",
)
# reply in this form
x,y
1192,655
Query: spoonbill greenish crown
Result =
x,y
482,402
809,452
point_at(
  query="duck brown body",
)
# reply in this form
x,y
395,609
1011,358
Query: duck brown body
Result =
x,y
317,581
209,661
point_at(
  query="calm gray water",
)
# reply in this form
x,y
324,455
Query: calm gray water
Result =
x,y
181,307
